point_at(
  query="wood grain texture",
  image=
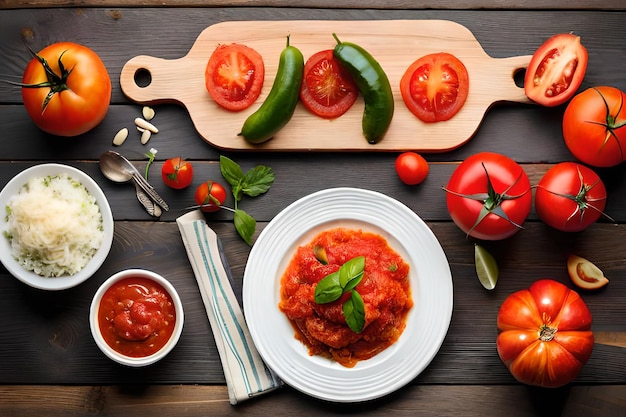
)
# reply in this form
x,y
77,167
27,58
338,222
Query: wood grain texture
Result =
x,y
395,44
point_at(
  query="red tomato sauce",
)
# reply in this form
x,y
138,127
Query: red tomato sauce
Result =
x,y
136,317
384,288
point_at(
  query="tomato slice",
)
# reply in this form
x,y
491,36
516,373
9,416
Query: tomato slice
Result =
x,y
234,76
327,89
435,87
556,70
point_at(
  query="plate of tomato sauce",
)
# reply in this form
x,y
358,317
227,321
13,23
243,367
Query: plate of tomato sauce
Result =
x,y
430,279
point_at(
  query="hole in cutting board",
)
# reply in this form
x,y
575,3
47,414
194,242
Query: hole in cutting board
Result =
x,y
143,78
518,77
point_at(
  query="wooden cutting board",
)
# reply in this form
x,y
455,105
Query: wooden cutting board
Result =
x,y
394,43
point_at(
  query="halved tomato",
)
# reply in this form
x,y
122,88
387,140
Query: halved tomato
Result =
x,y
435,87
234,76
327,89
556,70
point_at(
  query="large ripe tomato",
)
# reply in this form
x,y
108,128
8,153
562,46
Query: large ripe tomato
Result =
x,y
435,87
594,126
489,196
210,195
327,88
177,173
570,197
234,76
66,89
556,70
545,334
412,168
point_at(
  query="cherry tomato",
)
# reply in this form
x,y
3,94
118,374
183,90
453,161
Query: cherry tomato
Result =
x,y
177,173
570,197
234,76
435,87
594,126
556,70
412,168
79,97
211,195
545,334
327,89
489,196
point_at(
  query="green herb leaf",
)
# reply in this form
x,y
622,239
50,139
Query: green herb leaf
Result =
x,y
245,225
328,289
231,171
257,180
351,273
486,267
354,312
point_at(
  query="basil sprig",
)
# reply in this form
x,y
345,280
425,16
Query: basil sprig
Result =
x,y
334,285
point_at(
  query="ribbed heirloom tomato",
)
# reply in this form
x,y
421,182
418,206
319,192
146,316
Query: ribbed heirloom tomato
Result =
x,y
489,196
570,197
66,89
545,334
594,126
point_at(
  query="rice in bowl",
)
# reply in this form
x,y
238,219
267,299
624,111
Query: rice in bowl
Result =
x,y
54,225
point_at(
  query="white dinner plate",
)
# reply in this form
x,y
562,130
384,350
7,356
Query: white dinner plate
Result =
x,y
431,285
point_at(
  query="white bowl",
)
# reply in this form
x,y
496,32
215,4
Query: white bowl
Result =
x,y
66,281
95,328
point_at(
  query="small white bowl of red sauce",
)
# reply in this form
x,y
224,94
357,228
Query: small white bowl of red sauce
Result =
x,y
136,317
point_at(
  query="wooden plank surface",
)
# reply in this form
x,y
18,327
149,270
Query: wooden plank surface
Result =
x,y
49,365
395,44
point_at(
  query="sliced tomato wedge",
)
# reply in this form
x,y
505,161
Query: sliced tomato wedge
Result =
x,y
435,87
327,89
556,70
234,76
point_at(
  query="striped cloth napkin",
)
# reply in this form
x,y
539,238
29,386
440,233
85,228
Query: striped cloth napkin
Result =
x,y
246,374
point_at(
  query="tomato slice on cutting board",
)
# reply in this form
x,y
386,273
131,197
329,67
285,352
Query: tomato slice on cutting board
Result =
x,y
234,76
556,70
435,87
327,89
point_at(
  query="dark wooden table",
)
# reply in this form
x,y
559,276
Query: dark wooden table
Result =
x,y
49,364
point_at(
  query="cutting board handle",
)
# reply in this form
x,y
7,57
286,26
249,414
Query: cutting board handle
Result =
x,y
508,90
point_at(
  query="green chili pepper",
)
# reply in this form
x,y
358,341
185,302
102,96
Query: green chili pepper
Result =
x,y
373,84
280,103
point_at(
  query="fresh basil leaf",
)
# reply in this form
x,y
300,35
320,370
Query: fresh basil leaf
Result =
x,y
257,180
351,273
231,171
354,312
328,289
486,267
245,225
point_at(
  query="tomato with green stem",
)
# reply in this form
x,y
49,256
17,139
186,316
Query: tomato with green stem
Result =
x,y
210,196
489,196
594,126
177,173
570,197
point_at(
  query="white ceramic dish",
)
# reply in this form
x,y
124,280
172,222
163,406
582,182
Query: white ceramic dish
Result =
x,y
431,284
95,328
67,281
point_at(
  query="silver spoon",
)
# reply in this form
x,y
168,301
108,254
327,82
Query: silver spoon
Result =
x,y
119,169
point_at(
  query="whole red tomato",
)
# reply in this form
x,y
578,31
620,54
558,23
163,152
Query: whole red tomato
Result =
x,y
545,334
556,70
210,195
327,89
412,168
435,87
66,89
489,196
594,126
177,173
570,197
234,76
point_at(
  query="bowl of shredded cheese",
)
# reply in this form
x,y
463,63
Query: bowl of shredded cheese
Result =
x,y
56,226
